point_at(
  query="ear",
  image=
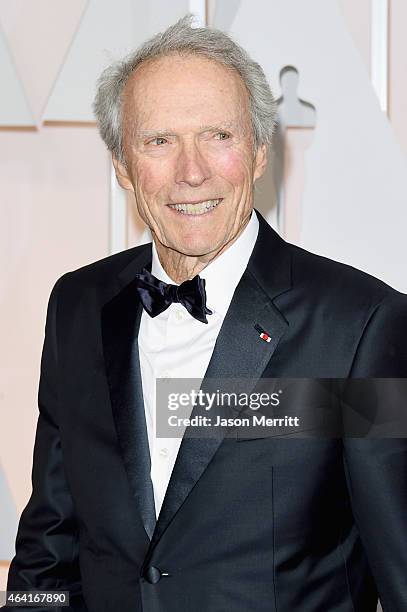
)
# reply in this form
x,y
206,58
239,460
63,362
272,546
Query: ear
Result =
x,y
260,162
122,175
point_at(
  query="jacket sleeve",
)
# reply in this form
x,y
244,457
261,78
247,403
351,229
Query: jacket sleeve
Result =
x,y
47,538
376,468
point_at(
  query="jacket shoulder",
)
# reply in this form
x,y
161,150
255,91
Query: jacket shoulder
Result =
x,y
102,271
339,283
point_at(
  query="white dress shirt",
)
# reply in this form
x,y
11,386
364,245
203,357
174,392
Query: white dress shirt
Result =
x,y
176,345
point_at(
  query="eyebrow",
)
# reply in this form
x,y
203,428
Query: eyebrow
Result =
x,y
202,128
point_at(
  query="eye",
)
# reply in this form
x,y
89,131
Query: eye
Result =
x,y
159,140
222,135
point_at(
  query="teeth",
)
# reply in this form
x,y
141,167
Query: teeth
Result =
x,y
196,209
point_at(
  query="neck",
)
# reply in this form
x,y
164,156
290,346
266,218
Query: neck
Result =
x,y
181,267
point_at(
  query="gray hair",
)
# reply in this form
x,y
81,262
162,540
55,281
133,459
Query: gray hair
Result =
x,y
181,38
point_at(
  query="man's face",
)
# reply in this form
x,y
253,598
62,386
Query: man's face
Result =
x,y
189,157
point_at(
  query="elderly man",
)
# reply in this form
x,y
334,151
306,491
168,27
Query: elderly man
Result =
x,y
129,521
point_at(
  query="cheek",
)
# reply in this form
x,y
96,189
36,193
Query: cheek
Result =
x,y
233,167
151,178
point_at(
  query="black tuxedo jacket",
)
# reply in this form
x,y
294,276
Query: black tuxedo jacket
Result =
x,y
259,525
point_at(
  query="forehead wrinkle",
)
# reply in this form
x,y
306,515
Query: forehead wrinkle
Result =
x,y
140,115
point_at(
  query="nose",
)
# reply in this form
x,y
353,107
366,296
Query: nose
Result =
x,y
191,166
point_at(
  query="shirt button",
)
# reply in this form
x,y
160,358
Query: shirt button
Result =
x,y
180,315
164,452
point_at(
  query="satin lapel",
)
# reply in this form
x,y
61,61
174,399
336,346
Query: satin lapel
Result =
x,y
120,324
239,353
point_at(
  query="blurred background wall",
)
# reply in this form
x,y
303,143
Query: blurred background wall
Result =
x,y
335,183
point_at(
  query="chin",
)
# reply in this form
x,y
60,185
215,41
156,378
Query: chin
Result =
x,y
191,244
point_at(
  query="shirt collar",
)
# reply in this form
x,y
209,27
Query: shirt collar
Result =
x,y
223,274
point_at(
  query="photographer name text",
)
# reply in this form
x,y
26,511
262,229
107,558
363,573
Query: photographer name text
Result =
x,y
256,420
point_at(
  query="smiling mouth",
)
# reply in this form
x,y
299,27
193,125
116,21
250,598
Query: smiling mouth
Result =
x,y
195,208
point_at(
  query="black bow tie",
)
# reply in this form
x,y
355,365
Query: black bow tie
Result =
x,y
156,295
